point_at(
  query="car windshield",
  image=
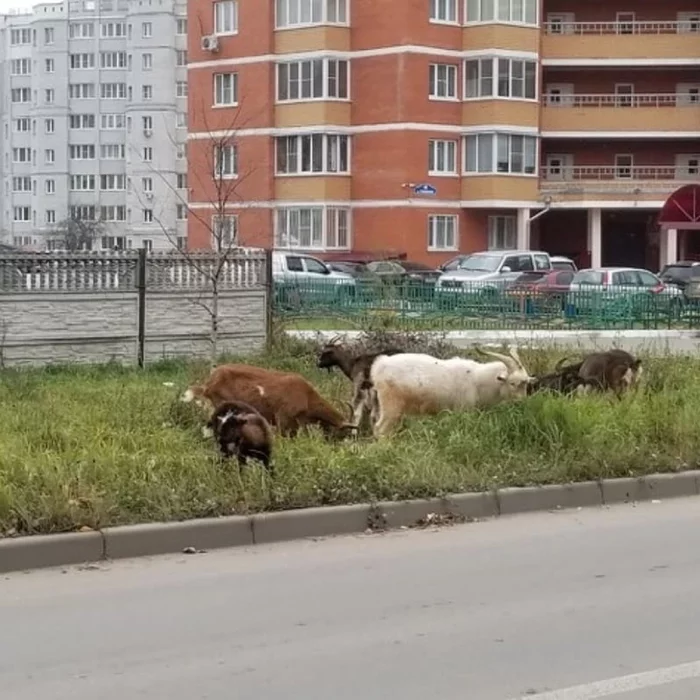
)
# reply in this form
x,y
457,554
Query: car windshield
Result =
x,y
481,263
562,265
588,277
677,272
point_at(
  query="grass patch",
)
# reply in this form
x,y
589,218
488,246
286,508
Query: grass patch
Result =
x,y
106,445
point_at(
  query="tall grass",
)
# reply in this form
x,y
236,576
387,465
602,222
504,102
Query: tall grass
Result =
x,y
98,446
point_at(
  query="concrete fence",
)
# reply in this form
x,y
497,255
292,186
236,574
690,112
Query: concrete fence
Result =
x,y
131,307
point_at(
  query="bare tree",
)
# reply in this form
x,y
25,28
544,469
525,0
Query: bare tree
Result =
x,y
221,175
75,234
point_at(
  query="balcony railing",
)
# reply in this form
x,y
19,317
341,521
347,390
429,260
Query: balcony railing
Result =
x,y
600,28
669,99
621,178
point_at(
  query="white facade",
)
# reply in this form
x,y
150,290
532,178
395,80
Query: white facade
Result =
x,y
93,117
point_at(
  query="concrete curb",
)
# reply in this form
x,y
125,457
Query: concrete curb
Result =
x,y
40,551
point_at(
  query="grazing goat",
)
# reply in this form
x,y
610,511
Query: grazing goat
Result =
x,y
242,432
356,369
412,383
614,370
285,399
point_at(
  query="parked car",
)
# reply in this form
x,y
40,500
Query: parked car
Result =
x,y
301,279
452,263
680,273
489,272
403,271
621,288
561,262
538,289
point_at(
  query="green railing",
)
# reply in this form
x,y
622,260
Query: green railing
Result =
x,y
415,306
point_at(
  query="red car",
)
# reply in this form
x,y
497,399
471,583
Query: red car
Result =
x,y
541,286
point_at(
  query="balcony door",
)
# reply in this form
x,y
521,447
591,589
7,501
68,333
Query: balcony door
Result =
x,y
558,166
559,94
625,22
624,166
624,94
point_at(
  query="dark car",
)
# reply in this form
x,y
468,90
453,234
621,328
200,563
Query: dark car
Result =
x,y
548,288
404,271
680,273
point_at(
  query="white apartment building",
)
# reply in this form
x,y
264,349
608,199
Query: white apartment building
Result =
x,y
93,122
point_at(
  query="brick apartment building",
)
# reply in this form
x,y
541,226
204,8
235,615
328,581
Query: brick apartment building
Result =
x,y
329,114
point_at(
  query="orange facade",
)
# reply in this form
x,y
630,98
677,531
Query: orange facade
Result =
x,y
570,105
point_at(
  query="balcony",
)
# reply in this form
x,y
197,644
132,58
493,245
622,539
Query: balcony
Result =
x,y
572,43
641,182
661,112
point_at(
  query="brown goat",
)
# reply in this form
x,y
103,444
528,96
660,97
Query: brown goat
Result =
x,y
285,399
356,368
614,370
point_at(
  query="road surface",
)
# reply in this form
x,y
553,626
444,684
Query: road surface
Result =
x,y
599,603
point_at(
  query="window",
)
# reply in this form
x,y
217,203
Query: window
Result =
x,y
516,78
113,59
21,184
22,214
111,30
312,153
82,183
226,17
82,121
49,126
501,153
442,232
112,121
147,92
146,30
225,161
296,13
181,58
81,91
502,233
442,157
50,186
181,88
315,79
82,61
518,11
113,213
182,181
50,216
148,216
81,30
443,81
20,36
312,227
81,152
113,243
18,95
48,35
624,166
21,125
49,156
49,95
147,123
21,66
147,61
181,120
21,155
49,65
224,230
147,184
180,152
113,91
181,212
443,11
181,27
225,89
112,182
147,154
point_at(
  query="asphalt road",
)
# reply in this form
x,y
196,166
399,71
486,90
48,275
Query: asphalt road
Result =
x,y
577,605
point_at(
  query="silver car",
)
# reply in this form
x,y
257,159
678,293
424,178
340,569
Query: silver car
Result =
x,y
491,271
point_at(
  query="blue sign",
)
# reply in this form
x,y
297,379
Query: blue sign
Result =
x,y
424,189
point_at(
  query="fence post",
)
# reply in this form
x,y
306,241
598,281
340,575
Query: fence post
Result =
x,y
141,293
269,301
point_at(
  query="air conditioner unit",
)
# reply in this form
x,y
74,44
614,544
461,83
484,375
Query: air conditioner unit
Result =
x,y
210,43
148,133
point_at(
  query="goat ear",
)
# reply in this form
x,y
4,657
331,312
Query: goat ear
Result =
x,y
502,377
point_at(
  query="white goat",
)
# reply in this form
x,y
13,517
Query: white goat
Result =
x,y
413,383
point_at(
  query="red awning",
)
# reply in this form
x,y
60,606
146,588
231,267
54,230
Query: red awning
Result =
x,y
682,209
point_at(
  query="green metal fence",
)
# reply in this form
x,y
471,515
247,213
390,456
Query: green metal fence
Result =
x,y
415,306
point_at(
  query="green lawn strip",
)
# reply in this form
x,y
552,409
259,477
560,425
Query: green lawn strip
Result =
x,y
99,446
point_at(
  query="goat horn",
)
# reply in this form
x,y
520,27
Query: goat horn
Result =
x,y
507,360
513,351
335,340
561,363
